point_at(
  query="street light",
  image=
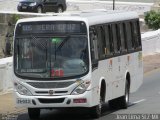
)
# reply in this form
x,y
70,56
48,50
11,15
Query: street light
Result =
x,y
113,4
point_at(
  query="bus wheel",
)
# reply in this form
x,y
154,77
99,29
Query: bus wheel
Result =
x,y
124,100
95,112
121,102
34,113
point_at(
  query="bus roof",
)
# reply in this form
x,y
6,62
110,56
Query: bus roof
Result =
x,y
91,17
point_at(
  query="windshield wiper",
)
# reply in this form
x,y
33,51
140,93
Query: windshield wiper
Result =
x,y
63,42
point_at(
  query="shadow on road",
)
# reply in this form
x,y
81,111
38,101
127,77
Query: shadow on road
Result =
x,y
70,114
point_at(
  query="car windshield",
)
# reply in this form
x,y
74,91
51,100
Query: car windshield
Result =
x,y
51,57
30,0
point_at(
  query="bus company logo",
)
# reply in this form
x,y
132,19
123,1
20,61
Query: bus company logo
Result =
x,y
50,92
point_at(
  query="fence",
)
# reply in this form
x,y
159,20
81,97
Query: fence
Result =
x,y
151,42
5,74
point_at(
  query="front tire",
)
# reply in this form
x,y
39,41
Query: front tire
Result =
x,y
95,112
34,113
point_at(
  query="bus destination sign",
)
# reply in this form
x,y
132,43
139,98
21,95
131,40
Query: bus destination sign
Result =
x,y
51,28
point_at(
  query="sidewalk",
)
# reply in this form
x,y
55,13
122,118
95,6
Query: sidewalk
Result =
x,y
151,62
7,102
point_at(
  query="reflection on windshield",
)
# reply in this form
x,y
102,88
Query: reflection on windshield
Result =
x,y
52,57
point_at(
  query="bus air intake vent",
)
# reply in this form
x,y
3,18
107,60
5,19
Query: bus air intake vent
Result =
x,y
50,84
46,92
56,100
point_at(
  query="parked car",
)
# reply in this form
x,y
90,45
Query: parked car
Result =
x,y
42,6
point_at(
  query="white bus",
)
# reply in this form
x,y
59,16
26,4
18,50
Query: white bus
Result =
x,y
77,60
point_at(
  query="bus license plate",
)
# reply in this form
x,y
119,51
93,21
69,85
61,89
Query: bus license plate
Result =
x,y
23,101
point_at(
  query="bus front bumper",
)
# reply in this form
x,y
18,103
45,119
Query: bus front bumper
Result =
x,y
82,100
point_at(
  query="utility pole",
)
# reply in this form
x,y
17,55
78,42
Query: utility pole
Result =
x,y
113,4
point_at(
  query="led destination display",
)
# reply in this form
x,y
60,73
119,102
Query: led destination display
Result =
x,y
52,27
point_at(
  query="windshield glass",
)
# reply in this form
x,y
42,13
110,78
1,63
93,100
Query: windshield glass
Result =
x,y
51,57
30,0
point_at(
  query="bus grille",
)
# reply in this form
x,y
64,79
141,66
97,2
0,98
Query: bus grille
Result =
x,y
46,92
50,84
57,100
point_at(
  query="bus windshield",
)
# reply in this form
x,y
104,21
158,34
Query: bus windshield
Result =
x,y
51,57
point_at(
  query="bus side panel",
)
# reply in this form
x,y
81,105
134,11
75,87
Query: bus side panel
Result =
x,y
102,71
95,87
117,83
138,70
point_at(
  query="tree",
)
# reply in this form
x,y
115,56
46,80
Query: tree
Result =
x,y
152,19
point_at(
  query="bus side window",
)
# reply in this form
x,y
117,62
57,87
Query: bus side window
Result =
x,y
101,42
128,34
108,48
139,35
122,38
136,33
118,38
133,35
94,45
115,40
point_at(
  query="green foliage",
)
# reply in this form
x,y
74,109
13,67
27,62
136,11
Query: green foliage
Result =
x,y
15,18
152,19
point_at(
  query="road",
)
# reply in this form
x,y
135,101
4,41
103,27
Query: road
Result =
x,y
142,103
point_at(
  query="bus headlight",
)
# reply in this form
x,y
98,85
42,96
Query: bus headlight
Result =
x,y
80,89
22,90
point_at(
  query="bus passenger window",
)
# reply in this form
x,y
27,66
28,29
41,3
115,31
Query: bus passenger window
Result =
x,y
122,38
136,34
93,42
128,36
139,35
101,42
115,41
108,47
118,38
133,35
